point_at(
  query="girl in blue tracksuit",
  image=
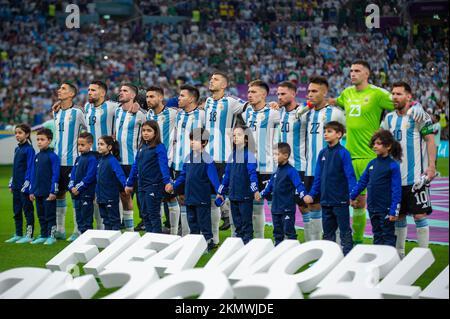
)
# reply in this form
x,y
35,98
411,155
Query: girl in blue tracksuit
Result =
x,y
152,170
111,181
82,182
383,180
19,185
44,186
198,173
242,182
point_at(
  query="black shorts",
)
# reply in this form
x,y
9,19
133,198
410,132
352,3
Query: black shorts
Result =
x,y
309,181
415,202
64,179
126,169
263,180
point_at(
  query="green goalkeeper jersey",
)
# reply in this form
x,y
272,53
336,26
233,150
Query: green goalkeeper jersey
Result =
x,y
363,112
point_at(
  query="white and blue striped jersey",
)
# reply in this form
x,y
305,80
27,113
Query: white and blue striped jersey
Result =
x,y
264,125
69,124
128,133
315,122
100,119
409,134
166,121
186,122
219,121
293,132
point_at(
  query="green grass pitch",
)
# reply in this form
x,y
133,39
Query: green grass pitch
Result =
x,y
26,255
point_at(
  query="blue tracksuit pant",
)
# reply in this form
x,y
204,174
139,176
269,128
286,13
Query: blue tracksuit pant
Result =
x,y
383,229
84,209
334,217
110,213
283,226
150,210
199,219
242,212
46,211
22,202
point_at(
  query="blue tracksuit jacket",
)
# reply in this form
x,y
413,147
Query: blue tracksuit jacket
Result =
x,y
83,175
284,184
334,177
150,167
22,167
198,173
383,180
110,179
240,176
45,173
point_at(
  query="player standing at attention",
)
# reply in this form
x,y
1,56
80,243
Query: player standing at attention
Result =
x,y
316,119
128,133
417,166
364,104
100,115
166,118
263,122
293,132
188,118
69,123
220,112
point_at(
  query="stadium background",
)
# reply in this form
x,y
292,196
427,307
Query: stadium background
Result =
x,y
174,42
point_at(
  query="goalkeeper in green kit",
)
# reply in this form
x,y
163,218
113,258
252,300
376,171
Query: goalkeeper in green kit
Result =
x,y
364,104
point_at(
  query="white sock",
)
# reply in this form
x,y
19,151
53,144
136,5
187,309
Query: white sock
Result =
x,y
227,212
316,224
338,237
75,224
307,226
61,207
128,220
98,219
185,230
401,231
174,216
259,220
232,227
215,221
121,210
423,232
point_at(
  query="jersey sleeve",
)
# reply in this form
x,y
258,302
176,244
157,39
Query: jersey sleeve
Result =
x,y
30,164
296,180
118,171
385,99
213,177
340,100
73,172
362,183
396,184
133,172
384,124
269,187
251,168
54,160
315,188
82,121
348,168
163,162
225,179
91,175
236,105
182,178
338,115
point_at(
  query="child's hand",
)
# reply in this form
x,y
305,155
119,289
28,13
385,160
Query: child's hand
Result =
x,y
257,196
354,203
32,198
169,188
308,199
220,196
51,197
74,191
393,218
128,190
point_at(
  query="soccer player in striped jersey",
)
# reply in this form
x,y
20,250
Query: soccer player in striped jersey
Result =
x,y
419,154
166,118
293,132
128,133
69,123
100,115
189,117
220,112
321,114
263,122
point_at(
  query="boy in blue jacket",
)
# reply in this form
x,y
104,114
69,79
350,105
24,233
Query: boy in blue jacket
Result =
x,y
82,183
198,173
44,186
334,178
285,184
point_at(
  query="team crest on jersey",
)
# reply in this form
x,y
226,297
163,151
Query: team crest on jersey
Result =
x,y
366,100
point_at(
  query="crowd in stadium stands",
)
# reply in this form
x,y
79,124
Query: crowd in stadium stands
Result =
x,y
253,40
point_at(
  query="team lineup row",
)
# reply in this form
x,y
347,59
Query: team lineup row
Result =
x,y
359,107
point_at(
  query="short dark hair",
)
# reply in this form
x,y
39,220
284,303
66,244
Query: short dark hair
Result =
x,y
45,131
101,84
319,80
284,148
404,85
336,126
72,86
132,86
222,74
289,85
260,84
363,63
199,134
156,89
87,136
193,91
